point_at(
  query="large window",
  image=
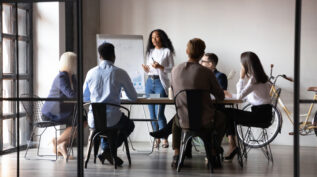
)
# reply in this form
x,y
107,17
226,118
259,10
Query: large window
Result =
x,y
16,68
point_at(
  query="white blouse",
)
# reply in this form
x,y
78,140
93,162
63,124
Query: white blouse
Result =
x,y
165,58
254,93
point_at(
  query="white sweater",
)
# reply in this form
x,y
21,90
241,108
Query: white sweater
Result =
x,y
254,93
165,58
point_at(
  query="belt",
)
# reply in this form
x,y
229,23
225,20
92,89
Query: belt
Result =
x,y
154,77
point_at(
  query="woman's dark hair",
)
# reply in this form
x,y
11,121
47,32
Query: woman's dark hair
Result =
x,y
166,42
253,67
106,51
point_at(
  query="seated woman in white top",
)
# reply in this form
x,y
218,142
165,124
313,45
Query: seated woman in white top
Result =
x,y
253,86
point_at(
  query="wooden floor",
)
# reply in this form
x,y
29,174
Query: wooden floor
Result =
x,y
158,165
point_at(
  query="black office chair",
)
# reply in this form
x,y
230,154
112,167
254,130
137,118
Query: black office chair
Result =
x,y
192,102
251,136
34,115
102,131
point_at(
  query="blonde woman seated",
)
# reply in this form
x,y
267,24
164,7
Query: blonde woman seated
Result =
x,y
64,86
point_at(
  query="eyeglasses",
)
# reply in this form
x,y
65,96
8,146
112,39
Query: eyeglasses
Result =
x,y
204,61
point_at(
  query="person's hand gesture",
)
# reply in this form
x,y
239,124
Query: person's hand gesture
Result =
x,y
156,65
227,94
146,68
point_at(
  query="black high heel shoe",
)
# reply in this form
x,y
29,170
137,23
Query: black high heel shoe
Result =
x,y
164,132
231,155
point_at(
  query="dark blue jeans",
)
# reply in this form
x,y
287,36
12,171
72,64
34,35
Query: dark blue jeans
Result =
x,y
126,127
156,111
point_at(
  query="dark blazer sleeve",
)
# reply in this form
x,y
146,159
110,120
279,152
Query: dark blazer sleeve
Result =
x,y
223,81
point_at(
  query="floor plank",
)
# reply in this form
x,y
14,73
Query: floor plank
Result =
x,y
158,165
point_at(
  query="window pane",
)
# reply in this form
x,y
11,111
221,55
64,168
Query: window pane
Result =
x,y
8,56
22,57
8,134
24,130
7,19
7,92
22,22
23,89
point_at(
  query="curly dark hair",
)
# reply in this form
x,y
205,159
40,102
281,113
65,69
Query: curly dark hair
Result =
x,y
166,42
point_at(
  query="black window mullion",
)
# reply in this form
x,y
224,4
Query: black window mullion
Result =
x,y
13,37
29,59
1,87
13,63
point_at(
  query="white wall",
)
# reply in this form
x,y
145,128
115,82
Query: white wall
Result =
x,y
48,44
46,30
229,27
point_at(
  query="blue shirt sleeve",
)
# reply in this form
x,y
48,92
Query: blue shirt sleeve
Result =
x,y
86,91
128,86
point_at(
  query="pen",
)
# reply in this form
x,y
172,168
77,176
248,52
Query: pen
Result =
x,y
153,59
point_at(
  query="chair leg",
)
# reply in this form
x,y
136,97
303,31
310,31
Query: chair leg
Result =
x,y
56,144
29,143
185,137
267,148
96,147
209,155
71,142
113,149
127,151
90,141
240,148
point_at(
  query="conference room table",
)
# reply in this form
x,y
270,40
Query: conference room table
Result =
x,y
140,101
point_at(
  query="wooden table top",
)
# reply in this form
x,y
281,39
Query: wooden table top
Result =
x,y
170,101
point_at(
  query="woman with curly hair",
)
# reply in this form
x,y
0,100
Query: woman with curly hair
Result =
x,y
159,63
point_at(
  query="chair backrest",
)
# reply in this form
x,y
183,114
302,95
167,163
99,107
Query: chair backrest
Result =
x,y
99,111
32,108
190,106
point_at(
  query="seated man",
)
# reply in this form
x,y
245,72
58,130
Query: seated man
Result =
x,y
191,75
103,84
210,60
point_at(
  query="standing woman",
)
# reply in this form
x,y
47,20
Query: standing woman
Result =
x,y
253,86
64,86
159,53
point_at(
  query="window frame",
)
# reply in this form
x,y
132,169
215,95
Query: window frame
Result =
x,y
15,76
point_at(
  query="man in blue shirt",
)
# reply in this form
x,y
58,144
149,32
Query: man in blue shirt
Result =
x,y
210,60
103,84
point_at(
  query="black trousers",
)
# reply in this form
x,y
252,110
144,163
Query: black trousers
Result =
x,y
259,116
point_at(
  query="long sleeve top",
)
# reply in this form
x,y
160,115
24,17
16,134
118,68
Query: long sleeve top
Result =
x,y
103,84
61,88
254,93
222,79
